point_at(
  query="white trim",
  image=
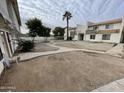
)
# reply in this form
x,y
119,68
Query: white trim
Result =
x,y
2,30
1,66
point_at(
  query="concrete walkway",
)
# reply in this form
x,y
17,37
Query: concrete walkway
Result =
x,y
116,86
32,55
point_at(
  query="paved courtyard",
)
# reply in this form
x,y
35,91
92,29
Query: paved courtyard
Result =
x,y
71,71
86,45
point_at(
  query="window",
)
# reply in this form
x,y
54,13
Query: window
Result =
x,y
109,26
96,28
72,34
106,37
1,55
90,28
92,36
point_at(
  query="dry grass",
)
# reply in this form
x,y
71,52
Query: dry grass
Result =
x,y
72,71
42,47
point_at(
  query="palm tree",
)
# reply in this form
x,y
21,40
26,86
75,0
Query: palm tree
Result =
x,y
67,16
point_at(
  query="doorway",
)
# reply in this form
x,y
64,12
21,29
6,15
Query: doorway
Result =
x,y
3,44
81,37
122,38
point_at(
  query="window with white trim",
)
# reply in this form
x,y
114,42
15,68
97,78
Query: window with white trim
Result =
x,y
109,26
106,37
92,36
1,55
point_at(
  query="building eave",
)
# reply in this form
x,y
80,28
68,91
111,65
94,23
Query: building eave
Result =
x,y
104,31
15,4
107,22
4,23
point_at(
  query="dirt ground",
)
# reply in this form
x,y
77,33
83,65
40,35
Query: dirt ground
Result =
x,y
86,45
42,47
72,71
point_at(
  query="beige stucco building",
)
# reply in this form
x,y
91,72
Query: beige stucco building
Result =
x,y
9,26
111,31
76,33
71,33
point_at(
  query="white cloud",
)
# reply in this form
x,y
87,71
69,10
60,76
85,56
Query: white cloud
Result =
x,y
51,11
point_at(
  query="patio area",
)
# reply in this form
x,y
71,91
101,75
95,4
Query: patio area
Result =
x,y
71,71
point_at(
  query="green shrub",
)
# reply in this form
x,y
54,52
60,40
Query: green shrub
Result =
x,y
25,46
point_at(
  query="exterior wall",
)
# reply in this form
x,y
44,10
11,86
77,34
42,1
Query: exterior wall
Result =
x,y
76,37
13,16
97,38
16,25
115,26
7,9
114,38
102,27
65,35
4,9
80,29
69,33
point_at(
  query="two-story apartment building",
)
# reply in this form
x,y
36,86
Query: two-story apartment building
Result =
x,y
9,26
111,31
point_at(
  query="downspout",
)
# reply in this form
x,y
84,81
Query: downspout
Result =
x,y
121,30
67,28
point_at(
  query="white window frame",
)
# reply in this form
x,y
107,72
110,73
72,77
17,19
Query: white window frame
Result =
x,y
92,37
106,36
109,26
1,54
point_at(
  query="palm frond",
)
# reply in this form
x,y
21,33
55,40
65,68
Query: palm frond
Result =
x,y
67,15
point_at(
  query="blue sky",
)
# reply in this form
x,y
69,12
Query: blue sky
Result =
x,y
51,11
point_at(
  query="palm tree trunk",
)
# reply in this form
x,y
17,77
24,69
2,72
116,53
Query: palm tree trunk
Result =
x,y
67,29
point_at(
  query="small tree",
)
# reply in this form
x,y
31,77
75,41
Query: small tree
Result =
x,y
36,28
58,31
46,33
